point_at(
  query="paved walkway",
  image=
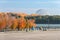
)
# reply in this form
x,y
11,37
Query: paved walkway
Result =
x,y
36,35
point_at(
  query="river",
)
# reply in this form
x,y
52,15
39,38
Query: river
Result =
x,y
48,25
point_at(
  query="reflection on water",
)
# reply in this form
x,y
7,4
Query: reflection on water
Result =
x,y
48,25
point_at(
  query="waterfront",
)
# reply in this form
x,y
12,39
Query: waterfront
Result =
x,y
48,25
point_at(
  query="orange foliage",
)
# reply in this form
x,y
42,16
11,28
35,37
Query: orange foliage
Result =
x,y
9,23
2,22
31,23
7,19
15,24
22,23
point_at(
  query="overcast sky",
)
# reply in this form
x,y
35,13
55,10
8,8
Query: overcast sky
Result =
x,y
30,6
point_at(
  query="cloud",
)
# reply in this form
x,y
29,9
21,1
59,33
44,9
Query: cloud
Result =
x,y
51,11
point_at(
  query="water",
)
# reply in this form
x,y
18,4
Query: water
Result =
x,y
48,25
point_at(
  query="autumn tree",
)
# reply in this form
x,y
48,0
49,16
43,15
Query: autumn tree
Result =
x,y
2,21
14,23
21,23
